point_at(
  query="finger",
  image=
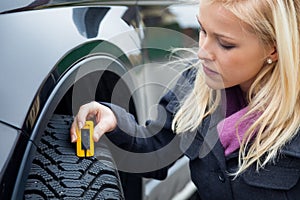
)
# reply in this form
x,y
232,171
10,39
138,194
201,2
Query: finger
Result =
x,y
99,130
86,111
73,132
79,121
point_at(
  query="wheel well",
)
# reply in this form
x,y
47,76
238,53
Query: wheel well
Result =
x,y
105,87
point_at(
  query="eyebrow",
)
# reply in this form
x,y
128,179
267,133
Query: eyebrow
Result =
x,y
216,34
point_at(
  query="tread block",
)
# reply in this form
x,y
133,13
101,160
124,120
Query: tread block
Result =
x,y
57,173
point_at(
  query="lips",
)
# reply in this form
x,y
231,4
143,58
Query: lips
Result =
x,y
209,72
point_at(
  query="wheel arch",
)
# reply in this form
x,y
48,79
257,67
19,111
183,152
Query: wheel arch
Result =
x,y
55,87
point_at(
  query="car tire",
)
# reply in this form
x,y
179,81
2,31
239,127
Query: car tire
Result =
x,y
57,173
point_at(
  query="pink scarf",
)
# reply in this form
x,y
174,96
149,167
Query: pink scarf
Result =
x,y
235,109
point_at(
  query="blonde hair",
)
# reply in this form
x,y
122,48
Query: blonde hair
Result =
x,y
274,93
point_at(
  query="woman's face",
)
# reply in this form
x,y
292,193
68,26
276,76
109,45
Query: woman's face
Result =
x,y
231,55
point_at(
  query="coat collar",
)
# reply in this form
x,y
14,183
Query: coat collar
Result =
x,y
211,141
206,141
293,147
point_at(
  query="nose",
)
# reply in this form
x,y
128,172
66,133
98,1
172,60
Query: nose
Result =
x,y
205,51
203,54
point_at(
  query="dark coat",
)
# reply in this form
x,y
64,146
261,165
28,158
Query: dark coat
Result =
x,y
208,165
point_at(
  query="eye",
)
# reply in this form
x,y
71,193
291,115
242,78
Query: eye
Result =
x,y
226,46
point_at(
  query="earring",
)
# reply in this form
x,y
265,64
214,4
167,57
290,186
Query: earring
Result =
x,y
269,61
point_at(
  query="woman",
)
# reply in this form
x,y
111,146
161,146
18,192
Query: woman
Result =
x,y
249,75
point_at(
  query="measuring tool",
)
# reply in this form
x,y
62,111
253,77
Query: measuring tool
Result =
x,y
85,142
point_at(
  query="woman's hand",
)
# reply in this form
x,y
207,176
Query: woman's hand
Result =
x,y
104,118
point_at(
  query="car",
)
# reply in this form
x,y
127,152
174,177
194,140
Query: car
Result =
x,y
57,55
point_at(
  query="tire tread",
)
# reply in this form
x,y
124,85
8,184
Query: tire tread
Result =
x,y
57,173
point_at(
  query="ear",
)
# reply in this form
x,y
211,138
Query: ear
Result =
x,y
273,54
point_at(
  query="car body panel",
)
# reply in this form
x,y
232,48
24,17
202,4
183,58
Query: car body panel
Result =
x,y
13,144
6,146
16,6
47,42
8,6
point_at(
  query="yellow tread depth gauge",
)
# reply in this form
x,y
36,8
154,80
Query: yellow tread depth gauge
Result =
x,y
85,143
